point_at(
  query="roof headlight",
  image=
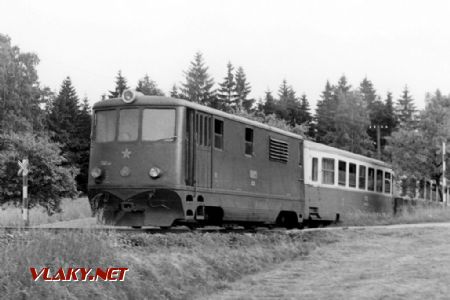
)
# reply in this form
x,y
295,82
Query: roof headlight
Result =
x,y
128,96
154,172
96,172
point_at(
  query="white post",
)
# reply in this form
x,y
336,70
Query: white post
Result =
x,y
444,180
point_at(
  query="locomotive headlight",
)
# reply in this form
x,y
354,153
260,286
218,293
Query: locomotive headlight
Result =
x,y
154,172
96,172
128,96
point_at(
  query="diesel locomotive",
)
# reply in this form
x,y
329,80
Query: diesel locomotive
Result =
x,y
159,161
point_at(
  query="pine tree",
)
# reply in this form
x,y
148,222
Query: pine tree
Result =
x,y
269,104
343,85
305,110
227,95
305,115
368,92
121,85
64,114
174,92
325,111
289,107
82,144
198,84
148,87
405,109
242,91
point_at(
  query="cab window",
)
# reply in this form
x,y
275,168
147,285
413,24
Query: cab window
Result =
x,y
105,126
128,125
158,124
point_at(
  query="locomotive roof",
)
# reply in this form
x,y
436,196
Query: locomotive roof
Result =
x,y
332,150
142,100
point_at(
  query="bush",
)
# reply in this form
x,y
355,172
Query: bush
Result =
x,y
48,180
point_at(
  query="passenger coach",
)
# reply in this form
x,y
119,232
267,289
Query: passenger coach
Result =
x,y
158,161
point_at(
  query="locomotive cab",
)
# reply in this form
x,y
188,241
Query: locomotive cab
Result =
x,y
135,161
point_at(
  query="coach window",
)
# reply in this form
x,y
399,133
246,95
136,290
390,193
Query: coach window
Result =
x,y
249,141
362,177
105,126
206,131
342,166
218,134
128,125
327,171
201,130
379,181
158,124
351,175
371,180
387,182
315,169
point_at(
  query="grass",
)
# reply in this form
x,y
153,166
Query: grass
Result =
x,y
71,209
364,264
171,266
408,215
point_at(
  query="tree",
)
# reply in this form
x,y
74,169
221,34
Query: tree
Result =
x,y
242,90
71,129
121,85
368,92
405,109
305,115
351,121
64,114
148,87
289,107
174,92
49,179
226,95
269,105
198,84
81,146
417,152
343,85
19,89
325,111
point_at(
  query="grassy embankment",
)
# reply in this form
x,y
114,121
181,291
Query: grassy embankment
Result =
x,y
408,215
171,266
71,210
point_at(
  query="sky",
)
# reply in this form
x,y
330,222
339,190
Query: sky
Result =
x,y
392,43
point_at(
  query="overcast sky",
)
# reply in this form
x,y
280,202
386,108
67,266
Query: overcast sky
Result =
x,y
393,43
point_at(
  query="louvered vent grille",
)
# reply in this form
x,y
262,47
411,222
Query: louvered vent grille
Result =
x,y
278,150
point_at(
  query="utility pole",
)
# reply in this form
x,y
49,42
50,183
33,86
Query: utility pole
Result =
x,y
378,128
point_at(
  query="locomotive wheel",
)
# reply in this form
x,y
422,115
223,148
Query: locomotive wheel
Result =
x,y
288,220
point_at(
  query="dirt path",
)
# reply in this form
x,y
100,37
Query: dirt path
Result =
x,y
400,262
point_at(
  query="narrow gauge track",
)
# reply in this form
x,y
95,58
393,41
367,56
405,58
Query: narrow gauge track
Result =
x,y
175,230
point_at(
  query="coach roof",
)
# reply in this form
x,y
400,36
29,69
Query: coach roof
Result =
x,y
142,100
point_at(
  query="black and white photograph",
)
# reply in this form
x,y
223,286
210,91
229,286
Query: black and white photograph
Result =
x,y
240,149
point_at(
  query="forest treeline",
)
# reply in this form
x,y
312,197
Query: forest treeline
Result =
x,y
52,128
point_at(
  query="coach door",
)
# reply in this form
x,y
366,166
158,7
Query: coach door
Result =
x,y
203,150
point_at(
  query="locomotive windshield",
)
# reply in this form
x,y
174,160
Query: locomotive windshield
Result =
x,y
105,126
157,124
